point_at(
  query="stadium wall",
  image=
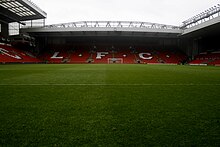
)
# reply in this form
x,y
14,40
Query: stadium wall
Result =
x,y
48,43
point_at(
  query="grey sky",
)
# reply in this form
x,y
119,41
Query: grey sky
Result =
x,y
171,12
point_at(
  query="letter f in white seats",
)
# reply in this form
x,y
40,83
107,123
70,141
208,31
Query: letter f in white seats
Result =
x,y
101,54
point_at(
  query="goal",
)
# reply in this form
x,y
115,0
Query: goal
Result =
x,y
115,60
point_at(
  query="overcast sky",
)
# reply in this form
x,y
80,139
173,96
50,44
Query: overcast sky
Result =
x,y
171,12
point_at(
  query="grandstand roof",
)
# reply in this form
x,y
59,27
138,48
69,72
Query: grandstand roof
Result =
x,y
19,10
106,28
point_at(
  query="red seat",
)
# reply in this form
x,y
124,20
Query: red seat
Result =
x,y
211,58
10,54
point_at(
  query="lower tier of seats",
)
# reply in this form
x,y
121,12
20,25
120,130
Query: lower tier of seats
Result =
x,y
106,57
9,54
207,58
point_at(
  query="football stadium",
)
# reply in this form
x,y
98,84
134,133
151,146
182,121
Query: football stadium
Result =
x,y
108,83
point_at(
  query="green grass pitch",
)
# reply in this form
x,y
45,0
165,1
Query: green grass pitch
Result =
x,y
109,105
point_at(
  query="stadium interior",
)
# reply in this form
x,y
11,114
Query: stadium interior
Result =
x,y
195,42
108,83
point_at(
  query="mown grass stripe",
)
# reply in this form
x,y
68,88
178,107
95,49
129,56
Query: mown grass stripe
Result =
x,y
100,84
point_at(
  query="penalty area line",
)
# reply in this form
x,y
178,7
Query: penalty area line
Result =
x,y
102,84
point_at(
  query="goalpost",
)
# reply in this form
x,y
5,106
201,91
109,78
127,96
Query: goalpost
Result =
x,y
115,60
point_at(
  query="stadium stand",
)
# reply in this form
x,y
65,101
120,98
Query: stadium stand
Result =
x,y
9,54
80,56
127,56
54,56
207,58
119,55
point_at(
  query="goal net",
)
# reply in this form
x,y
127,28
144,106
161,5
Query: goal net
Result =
x,y
115,60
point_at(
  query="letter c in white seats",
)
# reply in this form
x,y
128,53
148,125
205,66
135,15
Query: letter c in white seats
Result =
x,y
143,56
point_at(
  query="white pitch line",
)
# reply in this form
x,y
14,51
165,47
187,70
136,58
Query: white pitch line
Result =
x,y
100,84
